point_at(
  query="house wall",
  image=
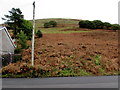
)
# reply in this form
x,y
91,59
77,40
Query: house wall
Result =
x,y
7,46
0,42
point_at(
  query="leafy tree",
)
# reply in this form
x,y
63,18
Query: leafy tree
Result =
x,y
22,40
115,27
53,23
82,24
26,27
98,24
50,24
14,19
87,24
106,25
39,33
90,24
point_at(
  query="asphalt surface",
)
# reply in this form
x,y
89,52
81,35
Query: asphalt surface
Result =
x,y
62,82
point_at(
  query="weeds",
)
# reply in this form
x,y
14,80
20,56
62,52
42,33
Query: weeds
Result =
x,y
97,60
84,73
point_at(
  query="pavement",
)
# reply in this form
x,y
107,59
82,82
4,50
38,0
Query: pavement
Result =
x,y
62,82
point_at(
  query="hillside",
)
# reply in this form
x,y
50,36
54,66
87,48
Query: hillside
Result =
x,y
67,50
62,24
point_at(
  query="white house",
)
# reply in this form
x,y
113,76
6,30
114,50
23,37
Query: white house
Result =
x,y
6,43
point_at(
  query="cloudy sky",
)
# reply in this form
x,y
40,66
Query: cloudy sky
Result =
x,y
105,10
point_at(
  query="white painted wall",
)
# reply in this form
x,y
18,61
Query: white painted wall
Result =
x,y
0,43
7,46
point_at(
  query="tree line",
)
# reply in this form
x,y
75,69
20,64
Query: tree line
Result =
x,y
97,24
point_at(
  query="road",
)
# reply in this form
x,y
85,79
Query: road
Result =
x,y
62,82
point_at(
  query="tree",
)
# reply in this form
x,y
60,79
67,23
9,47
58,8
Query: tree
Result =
x,y
98,24
53,23
50,24
106,25
87,24
115,27
22,40
26,27
14,19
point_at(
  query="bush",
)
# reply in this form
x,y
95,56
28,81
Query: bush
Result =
x,y
5,59
82,24
17,50
53,23
47,25
106,25
39,33
50,24
87,24
98,24
16,58
115,27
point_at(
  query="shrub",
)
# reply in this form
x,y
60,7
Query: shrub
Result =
x,y
90,25
87,24
50,24
47,25
115,27
16,58
17,50
5,59
106,25
39,33
82,24
98,24
53,23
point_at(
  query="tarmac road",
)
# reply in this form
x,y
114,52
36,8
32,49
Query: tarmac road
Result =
x,y
62,82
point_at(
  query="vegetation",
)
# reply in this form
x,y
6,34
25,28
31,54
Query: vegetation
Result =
x,y
22,40
68,65
97,24
106,25
115,27
87,24
53,23
16,22
39,34
14,19
26,27
50,24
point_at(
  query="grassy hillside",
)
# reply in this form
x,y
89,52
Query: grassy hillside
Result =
x,y
60,21
62,25
80,52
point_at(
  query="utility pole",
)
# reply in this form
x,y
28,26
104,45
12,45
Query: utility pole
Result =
x,y
33,34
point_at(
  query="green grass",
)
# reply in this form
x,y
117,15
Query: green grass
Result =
x,y
58,31
40,22
62,24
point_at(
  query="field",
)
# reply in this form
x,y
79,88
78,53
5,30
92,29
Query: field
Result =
x,y
67,50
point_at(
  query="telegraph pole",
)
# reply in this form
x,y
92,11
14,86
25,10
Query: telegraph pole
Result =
x,y
33,34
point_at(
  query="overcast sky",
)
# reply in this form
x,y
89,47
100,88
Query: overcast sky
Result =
x,y
105,10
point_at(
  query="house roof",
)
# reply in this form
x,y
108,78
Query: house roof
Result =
x,y
4,28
